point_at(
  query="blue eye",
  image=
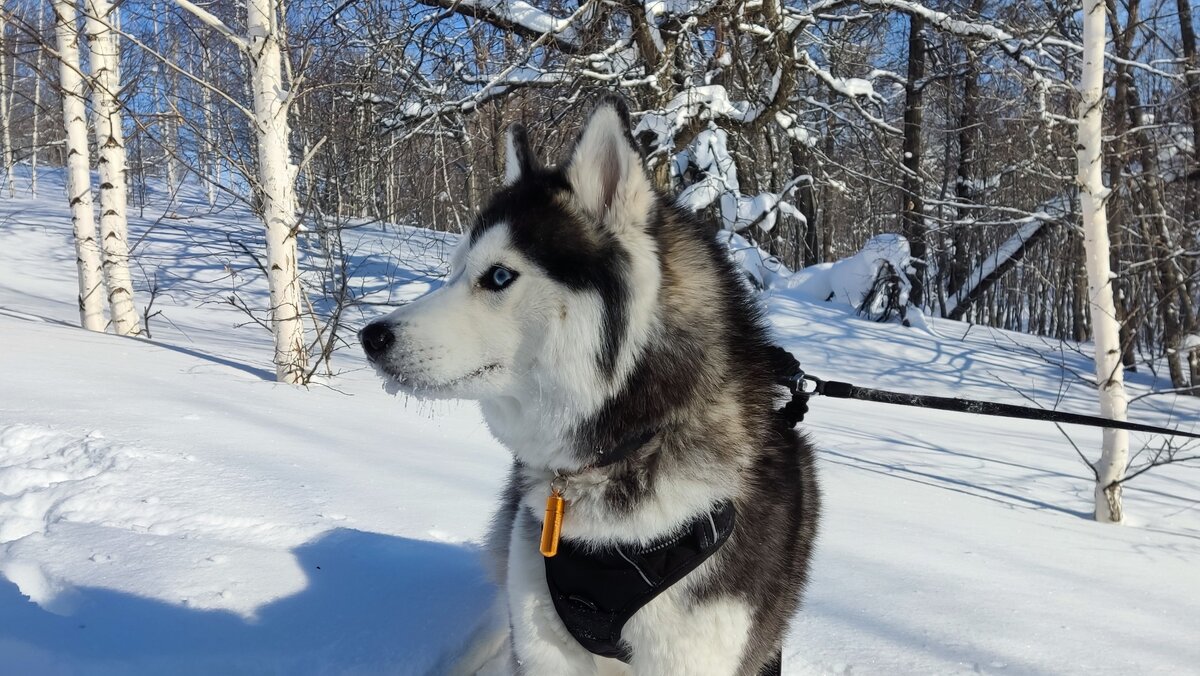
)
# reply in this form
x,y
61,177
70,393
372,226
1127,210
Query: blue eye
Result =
x,y
497,278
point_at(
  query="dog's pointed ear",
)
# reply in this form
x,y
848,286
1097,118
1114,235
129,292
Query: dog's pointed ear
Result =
x,y
605,170
518,158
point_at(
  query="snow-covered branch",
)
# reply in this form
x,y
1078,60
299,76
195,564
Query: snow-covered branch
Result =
x,y
209,19
520,17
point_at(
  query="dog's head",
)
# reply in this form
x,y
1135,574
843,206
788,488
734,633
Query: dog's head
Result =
x,y
551,296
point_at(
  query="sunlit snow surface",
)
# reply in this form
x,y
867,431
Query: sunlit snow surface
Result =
x,y
166,508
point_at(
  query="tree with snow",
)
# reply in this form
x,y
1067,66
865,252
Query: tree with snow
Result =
x,y
1110,469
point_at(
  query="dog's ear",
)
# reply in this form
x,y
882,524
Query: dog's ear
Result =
x,y
605,169
518,158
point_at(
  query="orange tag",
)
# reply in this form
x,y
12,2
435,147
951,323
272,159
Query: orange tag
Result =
x,y
552,526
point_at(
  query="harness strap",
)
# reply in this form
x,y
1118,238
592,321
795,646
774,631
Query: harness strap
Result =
x,y
596,591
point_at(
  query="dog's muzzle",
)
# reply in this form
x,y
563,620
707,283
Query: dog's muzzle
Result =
x,y
376,338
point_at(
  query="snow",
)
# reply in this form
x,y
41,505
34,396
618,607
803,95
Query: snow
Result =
x,y
166,508
705,102
856,86
1005,251
525,15
849,280
853,87
764,270
709,154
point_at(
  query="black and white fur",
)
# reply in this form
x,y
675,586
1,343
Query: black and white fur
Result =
x,y
612,315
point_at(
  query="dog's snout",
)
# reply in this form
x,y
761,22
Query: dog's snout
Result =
x,y
376,338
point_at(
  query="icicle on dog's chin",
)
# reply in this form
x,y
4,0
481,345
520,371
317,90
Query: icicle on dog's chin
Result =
x,y
390,382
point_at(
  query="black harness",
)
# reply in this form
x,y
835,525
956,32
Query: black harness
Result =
x,y
596,591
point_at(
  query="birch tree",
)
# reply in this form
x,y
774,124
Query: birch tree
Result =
x,y
35,144
262,46
79,180
104,60
166,95
1110,469
5,99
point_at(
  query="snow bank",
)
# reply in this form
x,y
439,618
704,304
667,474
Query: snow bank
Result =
x,y
525,15
873,282
849,280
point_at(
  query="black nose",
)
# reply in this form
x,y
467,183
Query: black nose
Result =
x,y
376,338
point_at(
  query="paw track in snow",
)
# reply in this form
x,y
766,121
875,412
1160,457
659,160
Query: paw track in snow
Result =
x,y
49,476
78,510
41,470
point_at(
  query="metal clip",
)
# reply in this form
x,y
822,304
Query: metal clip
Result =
x,y
799,384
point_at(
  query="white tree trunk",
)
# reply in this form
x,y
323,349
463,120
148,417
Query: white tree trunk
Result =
x,y
104,52
37,107
276,178
209,159
1113,404
6,99
170,134
79,179
164,88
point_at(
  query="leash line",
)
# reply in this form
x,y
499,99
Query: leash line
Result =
x,y
804,385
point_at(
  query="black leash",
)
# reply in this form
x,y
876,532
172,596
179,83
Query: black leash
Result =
x,y
803,386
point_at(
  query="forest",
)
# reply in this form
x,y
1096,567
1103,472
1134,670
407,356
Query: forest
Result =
x,y
807,127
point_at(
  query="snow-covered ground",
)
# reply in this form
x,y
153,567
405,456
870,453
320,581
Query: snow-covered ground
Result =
x,y
166,508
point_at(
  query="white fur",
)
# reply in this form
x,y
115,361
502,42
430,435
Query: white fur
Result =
x,y
528,354
606,173
622,208
487,651
441,332
645,282
671,635
512,162
542,337
540,639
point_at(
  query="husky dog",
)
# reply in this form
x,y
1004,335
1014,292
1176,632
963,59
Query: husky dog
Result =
x,y
617,353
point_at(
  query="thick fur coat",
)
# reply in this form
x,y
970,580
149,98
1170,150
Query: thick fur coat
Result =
x,y
584,310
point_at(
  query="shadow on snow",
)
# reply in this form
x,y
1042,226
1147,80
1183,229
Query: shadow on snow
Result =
x,y
372,602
